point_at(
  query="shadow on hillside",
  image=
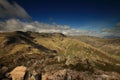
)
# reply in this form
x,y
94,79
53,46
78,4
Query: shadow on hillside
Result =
x,y
28,39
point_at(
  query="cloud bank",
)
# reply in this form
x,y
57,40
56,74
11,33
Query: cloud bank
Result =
x,y
17,25
15,15
12,10
115,31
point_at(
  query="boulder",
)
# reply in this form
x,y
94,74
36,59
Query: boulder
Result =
x,y
18,73
57,75
32,75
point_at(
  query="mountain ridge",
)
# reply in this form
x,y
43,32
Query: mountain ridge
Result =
x,y
47,52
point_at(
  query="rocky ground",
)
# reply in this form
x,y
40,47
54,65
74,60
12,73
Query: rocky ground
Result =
x,y
29,57
52,67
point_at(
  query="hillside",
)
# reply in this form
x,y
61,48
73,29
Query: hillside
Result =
x,y
54,52
109,45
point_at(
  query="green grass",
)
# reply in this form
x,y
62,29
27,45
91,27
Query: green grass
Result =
x,y
108,67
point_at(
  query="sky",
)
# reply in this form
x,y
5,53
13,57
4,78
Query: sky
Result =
x,y
75,17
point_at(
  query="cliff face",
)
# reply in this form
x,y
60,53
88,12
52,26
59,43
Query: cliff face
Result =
x,y
53,56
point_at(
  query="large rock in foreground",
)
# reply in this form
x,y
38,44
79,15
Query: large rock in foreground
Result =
x,y
18,73
22,73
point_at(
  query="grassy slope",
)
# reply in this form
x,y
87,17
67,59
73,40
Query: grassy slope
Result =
x,y
72,47
15,42
35,43
111,46
108,45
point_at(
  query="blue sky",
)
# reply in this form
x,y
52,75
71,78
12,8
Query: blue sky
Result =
x,y
76,13
79,14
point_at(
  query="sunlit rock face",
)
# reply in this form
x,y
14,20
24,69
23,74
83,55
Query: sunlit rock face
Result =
x,y
18,73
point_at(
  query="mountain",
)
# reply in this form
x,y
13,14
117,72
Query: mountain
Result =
x,y
111,36
109,45
54,56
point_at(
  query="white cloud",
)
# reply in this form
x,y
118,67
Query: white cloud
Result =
x,y
14,13
115,31
17,25
12,10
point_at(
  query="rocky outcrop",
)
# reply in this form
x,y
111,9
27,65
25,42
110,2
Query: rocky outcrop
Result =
x,y
24,73
66,74
32,75
18,73
55,75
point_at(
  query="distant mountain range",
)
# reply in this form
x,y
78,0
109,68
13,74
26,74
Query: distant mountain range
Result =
x,y
111,36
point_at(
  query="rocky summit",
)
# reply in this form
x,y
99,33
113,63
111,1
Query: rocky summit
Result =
x,y
55,56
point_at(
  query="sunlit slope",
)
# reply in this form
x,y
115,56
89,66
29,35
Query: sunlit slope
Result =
x,y
53,52
20,42
37,43
110,45
70,47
